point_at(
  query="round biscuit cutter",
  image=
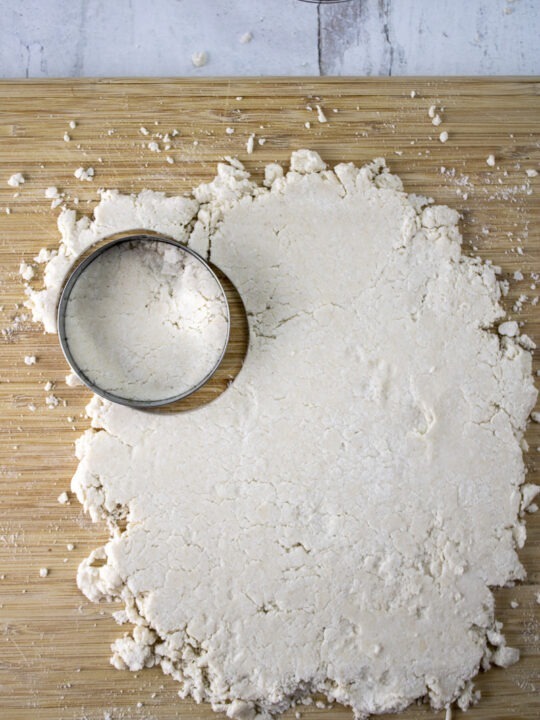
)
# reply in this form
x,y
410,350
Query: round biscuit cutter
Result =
x,y
64,342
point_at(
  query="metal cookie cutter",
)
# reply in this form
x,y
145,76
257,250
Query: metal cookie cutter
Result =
x,y
64,339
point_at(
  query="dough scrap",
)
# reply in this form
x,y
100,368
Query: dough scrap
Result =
x,y
333,522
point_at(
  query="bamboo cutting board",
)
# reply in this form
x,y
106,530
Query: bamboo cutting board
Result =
x,y
54,644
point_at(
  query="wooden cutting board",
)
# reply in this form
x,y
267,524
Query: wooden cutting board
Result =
x,y
54,644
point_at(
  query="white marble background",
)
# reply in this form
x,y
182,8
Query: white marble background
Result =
x,y
85,38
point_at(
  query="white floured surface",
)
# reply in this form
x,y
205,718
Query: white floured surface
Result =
x,y
334,520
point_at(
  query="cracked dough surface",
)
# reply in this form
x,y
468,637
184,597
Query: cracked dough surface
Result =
x,y
334,520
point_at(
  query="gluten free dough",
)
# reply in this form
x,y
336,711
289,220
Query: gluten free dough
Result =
x,y
333,522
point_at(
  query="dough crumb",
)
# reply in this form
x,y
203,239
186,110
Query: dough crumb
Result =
x,y
509,328
246,38
43,572
490,160
526,342
16,180
250,144
505,656
443,137
307,161
51,192
199,59
82,174
73,380
30,359
63,498
321,117
144,131
26,271
531,172
44,256
51,401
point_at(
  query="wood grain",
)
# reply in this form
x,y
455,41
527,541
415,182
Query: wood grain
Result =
x,y
55,644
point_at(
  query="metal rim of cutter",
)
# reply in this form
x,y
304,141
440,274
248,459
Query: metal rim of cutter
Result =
x,y
61,319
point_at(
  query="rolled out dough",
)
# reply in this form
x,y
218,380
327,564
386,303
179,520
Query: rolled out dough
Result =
x,y
333,522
